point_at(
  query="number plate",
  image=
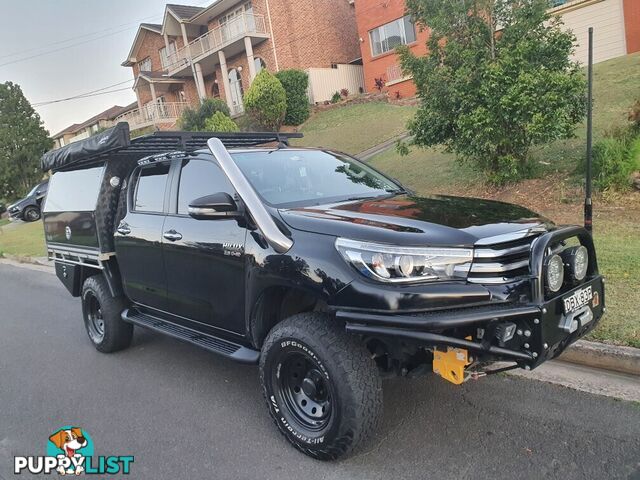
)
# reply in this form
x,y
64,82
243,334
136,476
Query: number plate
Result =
x,y
578,299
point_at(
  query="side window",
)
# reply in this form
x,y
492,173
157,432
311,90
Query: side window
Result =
x,y
150,188
199,178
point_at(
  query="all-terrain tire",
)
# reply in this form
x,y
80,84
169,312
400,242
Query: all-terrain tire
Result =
x,y
101,313
31,214
339,372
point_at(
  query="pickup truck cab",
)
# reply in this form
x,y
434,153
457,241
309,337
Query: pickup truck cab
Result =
x,y
313,265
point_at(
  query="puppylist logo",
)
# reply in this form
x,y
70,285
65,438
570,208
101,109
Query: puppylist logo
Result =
x,y
70,452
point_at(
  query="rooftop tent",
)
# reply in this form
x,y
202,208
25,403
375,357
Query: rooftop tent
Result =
x,y
77,154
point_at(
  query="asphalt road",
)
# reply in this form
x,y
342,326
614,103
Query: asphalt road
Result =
x,y
186,413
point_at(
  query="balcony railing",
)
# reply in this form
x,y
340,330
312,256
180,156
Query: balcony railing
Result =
x,y
217,38
152,114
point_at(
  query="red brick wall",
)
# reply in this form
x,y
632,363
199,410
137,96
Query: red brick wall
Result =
x,y
314,33
371,14
632,25
150,47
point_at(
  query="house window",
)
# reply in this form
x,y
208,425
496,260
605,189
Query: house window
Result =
x,y
259,64
145,65
236,22
388,36
165,55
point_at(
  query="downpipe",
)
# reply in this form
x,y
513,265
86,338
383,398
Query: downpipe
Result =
x,y
275,238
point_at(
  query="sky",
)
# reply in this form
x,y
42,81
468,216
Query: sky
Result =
x,y
67,68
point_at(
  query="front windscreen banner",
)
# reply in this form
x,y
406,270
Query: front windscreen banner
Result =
x,y
83,152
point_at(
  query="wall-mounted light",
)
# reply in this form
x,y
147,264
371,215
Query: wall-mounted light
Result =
x,y
239,68
361,40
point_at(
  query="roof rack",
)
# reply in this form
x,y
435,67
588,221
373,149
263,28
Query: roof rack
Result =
x,y
115,143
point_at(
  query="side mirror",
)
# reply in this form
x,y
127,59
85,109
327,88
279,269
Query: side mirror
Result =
x,y
211,207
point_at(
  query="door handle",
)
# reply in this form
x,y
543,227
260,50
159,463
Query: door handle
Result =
x,y
123,229
172,236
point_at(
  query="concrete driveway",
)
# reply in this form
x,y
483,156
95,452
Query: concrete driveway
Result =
x,y
186,413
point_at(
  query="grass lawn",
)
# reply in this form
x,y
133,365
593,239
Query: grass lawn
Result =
x,y
618,247
355,128
23,239
4,221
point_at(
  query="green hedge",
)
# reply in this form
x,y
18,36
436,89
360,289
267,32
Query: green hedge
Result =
x,y
219,122
295,83
266,101
193,120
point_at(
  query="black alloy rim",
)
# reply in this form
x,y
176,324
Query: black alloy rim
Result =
x,y
305,391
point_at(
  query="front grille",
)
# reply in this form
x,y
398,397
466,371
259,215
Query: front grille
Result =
x,y
502,262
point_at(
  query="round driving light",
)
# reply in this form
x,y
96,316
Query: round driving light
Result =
x,y
580,262
555,273
405,265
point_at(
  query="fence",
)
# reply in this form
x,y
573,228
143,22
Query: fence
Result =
x,y
324,82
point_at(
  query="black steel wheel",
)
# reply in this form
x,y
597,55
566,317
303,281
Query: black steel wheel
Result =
x,y
305,391
323,389
101,312
95,321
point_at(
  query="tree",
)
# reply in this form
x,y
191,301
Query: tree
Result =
x,y
193,120
496,81
219,122
266,101
23,140
295,83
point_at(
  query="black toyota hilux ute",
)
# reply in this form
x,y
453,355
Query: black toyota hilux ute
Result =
x,y
312,264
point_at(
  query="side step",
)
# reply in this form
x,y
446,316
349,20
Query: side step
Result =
x,y
208,342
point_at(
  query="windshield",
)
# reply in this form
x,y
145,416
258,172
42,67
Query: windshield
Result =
x,y
287,177
33,191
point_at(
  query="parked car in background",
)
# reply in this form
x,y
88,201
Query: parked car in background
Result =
x,y
29,208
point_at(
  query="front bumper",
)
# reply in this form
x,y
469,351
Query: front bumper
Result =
x,y
541,333
543,330
15,213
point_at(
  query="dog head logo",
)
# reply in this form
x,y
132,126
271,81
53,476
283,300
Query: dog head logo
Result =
x,y
70,443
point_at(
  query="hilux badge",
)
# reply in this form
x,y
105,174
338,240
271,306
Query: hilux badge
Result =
x,y
67,232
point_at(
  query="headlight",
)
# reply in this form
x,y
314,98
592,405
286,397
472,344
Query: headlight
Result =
x,y
388,263
555,273
578,260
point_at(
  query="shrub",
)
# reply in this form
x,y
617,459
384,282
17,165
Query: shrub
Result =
x,y
219,122
193,120
295,83
266,101
344,92
614,160
379,83
336,97
498,80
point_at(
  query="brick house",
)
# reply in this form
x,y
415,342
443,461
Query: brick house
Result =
x,y
217,51
383,24
79,131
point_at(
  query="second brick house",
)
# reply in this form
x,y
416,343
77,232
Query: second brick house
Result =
x,y
384,24
217,51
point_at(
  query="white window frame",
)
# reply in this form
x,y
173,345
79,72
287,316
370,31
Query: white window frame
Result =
x,y
145,62
164,56
381,29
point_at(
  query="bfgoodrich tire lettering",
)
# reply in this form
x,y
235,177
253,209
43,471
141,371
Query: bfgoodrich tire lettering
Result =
x,y
101,314
321,385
